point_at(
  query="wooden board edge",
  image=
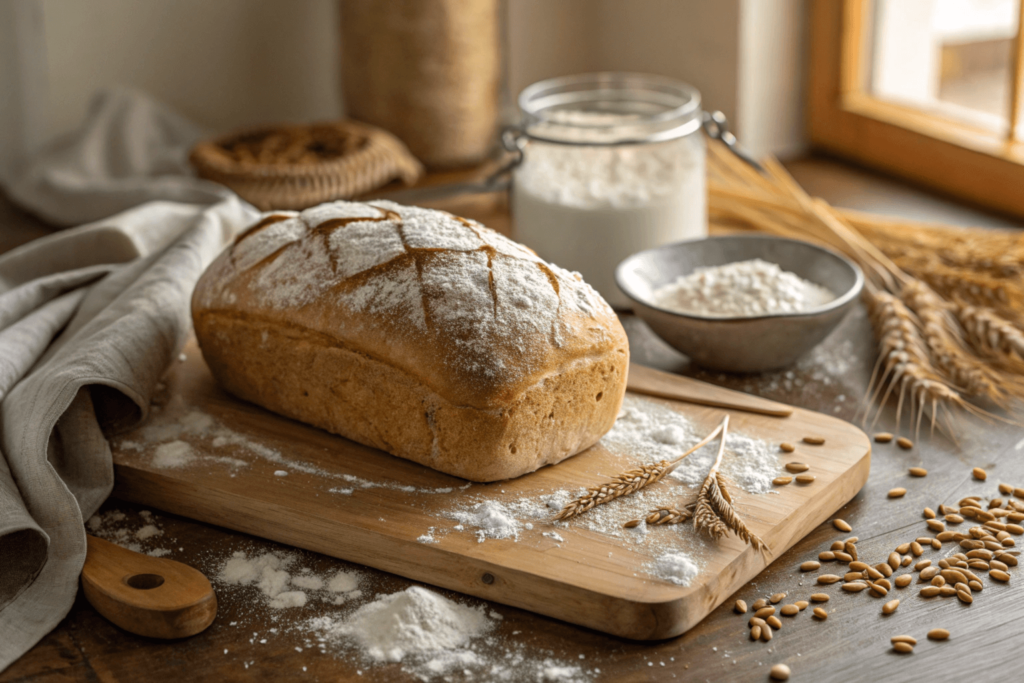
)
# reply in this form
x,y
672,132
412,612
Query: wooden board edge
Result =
x,y
631,619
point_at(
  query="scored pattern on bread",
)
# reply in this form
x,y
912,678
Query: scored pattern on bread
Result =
x,y
416,284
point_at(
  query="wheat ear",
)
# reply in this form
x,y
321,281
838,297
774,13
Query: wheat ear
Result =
x,y
991,334
948,350
713,512
628,482
661,516
904,364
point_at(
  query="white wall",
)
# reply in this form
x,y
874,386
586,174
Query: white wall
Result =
x,y
222,63
771,76
695,41
227,63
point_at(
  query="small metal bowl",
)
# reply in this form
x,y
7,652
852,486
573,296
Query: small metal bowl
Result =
x,y
757,344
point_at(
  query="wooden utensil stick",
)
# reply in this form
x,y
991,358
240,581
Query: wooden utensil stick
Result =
x,y
645,380
148,596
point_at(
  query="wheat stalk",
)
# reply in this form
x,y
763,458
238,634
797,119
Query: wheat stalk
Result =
x,y
627,482
661,516
713,513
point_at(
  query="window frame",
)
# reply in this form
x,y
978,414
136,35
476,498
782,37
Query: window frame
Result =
x,y
971,163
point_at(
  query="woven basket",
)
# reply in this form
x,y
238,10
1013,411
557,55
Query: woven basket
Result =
x,y
295,167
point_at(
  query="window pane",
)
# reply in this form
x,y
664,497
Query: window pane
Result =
x,y
951,57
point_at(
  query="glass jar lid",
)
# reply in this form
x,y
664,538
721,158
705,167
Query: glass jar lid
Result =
x,y
609,108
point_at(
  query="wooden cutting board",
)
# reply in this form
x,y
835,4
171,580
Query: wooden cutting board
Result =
x,y
381,505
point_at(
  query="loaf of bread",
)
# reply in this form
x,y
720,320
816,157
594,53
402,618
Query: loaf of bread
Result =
x,y
417,332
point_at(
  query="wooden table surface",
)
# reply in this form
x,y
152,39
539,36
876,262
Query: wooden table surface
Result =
x,y
853,644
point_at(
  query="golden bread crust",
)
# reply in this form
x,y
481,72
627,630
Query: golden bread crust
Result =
x,y
411,330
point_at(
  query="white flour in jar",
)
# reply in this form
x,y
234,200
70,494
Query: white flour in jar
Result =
x,y
588,207
742,289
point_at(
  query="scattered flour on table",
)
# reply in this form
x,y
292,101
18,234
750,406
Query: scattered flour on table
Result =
x,y
173,455
820,375
676,567
127,531
279,586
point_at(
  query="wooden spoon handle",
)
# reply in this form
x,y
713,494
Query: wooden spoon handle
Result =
x,y
645,380
148,596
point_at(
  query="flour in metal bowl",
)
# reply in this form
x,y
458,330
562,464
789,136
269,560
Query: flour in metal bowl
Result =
x,y
743,289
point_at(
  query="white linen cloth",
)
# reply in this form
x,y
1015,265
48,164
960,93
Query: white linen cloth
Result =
x,y
90,318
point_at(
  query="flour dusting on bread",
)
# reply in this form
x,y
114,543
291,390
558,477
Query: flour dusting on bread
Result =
x,y
427,267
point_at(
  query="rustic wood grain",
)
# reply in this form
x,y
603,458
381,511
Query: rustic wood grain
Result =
x,y
853,644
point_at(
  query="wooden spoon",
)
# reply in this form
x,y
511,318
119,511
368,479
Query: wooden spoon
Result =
x,y
148,596
645,380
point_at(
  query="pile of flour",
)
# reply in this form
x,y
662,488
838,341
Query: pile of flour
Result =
x,y
676,567
413,622
742,289
432,636
491,519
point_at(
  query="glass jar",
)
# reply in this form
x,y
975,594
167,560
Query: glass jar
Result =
x,y
613,163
